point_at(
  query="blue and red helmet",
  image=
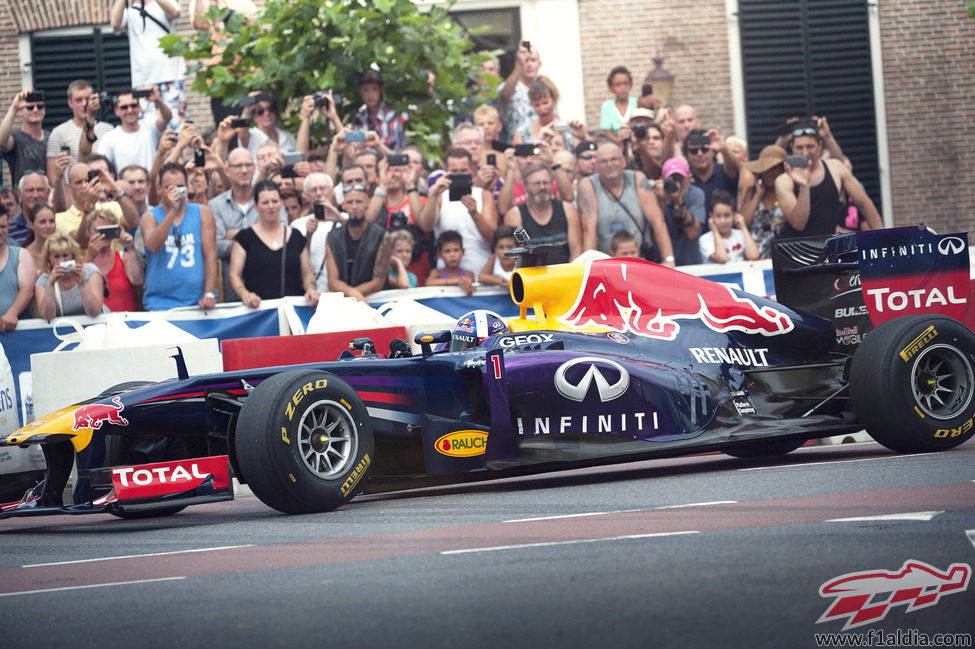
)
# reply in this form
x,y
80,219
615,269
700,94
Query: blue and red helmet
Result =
x,y
474,326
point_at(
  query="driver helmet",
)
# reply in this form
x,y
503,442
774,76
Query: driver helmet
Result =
x,y
474,326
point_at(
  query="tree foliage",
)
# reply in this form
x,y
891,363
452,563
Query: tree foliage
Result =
x,y
296,47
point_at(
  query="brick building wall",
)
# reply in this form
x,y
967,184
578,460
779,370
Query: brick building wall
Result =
x,y
692,39
24,16
928,51
929,72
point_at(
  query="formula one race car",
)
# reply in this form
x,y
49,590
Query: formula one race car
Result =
x,y
621,359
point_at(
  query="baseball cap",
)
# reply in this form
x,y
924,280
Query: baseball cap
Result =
x,y
370,76
768,158
676,166
585,145
641,112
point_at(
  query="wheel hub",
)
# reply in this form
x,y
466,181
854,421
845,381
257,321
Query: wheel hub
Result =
x,y
943,382
327,439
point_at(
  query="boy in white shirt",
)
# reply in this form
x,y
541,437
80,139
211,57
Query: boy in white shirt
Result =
x,y
728,238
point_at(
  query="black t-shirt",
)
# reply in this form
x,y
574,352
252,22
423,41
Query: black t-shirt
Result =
x,y
26,153
262,270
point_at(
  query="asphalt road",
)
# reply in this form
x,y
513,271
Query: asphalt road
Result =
x,y
706,551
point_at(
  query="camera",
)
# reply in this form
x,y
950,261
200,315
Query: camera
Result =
x,y
181,191
92,174
639,131
671,185
36,96
68,265
321,99
398,220
397,160
105,98
108,231
240,122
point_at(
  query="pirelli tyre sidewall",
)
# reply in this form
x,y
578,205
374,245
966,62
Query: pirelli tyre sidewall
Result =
x,y
912,382
304,441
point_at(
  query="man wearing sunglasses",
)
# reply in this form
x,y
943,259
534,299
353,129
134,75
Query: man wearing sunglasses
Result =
x,y
700,150
262,109
25,148
813,197
135,140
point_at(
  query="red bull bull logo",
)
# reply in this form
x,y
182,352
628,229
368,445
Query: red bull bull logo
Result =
x,y
916,585
649,300
94,415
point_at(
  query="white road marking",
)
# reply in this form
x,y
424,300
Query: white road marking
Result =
x,y
551,543
620,511
114,583
704,504
551,518
907,516
805,464
135,556
971,536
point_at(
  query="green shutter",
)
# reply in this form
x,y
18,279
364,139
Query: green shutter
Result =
x,y
811,57
98,56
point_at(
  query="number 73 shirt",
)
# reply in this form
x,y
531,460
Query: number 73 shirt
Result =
x,y
175,275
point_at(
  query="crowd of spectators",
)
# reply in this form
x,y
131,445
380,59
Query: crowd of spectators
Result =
x,y
251,211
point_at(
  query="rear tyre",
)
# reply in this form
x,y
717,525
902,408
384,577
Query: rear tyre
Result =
x,y
912,382
305,442
764,448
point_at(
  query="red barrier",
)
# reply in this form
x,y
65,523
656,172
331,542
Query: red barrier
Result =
x,y
247,353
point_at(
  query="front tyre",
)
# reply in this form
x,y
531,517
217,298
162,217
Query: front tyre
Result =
x,y
912,382
304,440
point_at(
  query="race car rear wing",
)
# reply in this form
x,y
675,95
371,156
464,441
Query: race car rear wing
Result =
x,y
859,280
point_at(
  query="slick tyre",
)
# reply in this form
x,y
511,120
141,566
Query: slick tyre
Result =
x,y
304,440
912,382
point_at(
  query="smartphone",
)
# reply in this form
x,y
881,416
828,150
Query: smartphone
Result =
x,y
525,150
288,171
92,174
797,160
563,128
526,44
66,149
199,158
141,94
240,122
492,159
247,101
397,160
699,140
108,231
292,157
37,95
319,212
460,185
646,90
500,146
355,136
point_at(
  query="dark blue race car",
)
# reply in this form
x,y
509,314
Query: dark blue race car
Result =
x,y
609,361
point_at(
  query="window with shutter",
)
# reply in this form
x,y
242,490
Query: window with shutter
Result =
x,y
811,57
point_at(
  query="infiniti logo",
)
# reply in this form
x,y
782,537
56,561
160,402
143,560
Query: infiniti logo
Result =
x,y
578,391
951,246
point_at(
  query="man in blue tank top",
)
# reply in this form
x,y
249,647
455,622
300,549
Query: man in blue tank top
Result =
x,y
181,247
